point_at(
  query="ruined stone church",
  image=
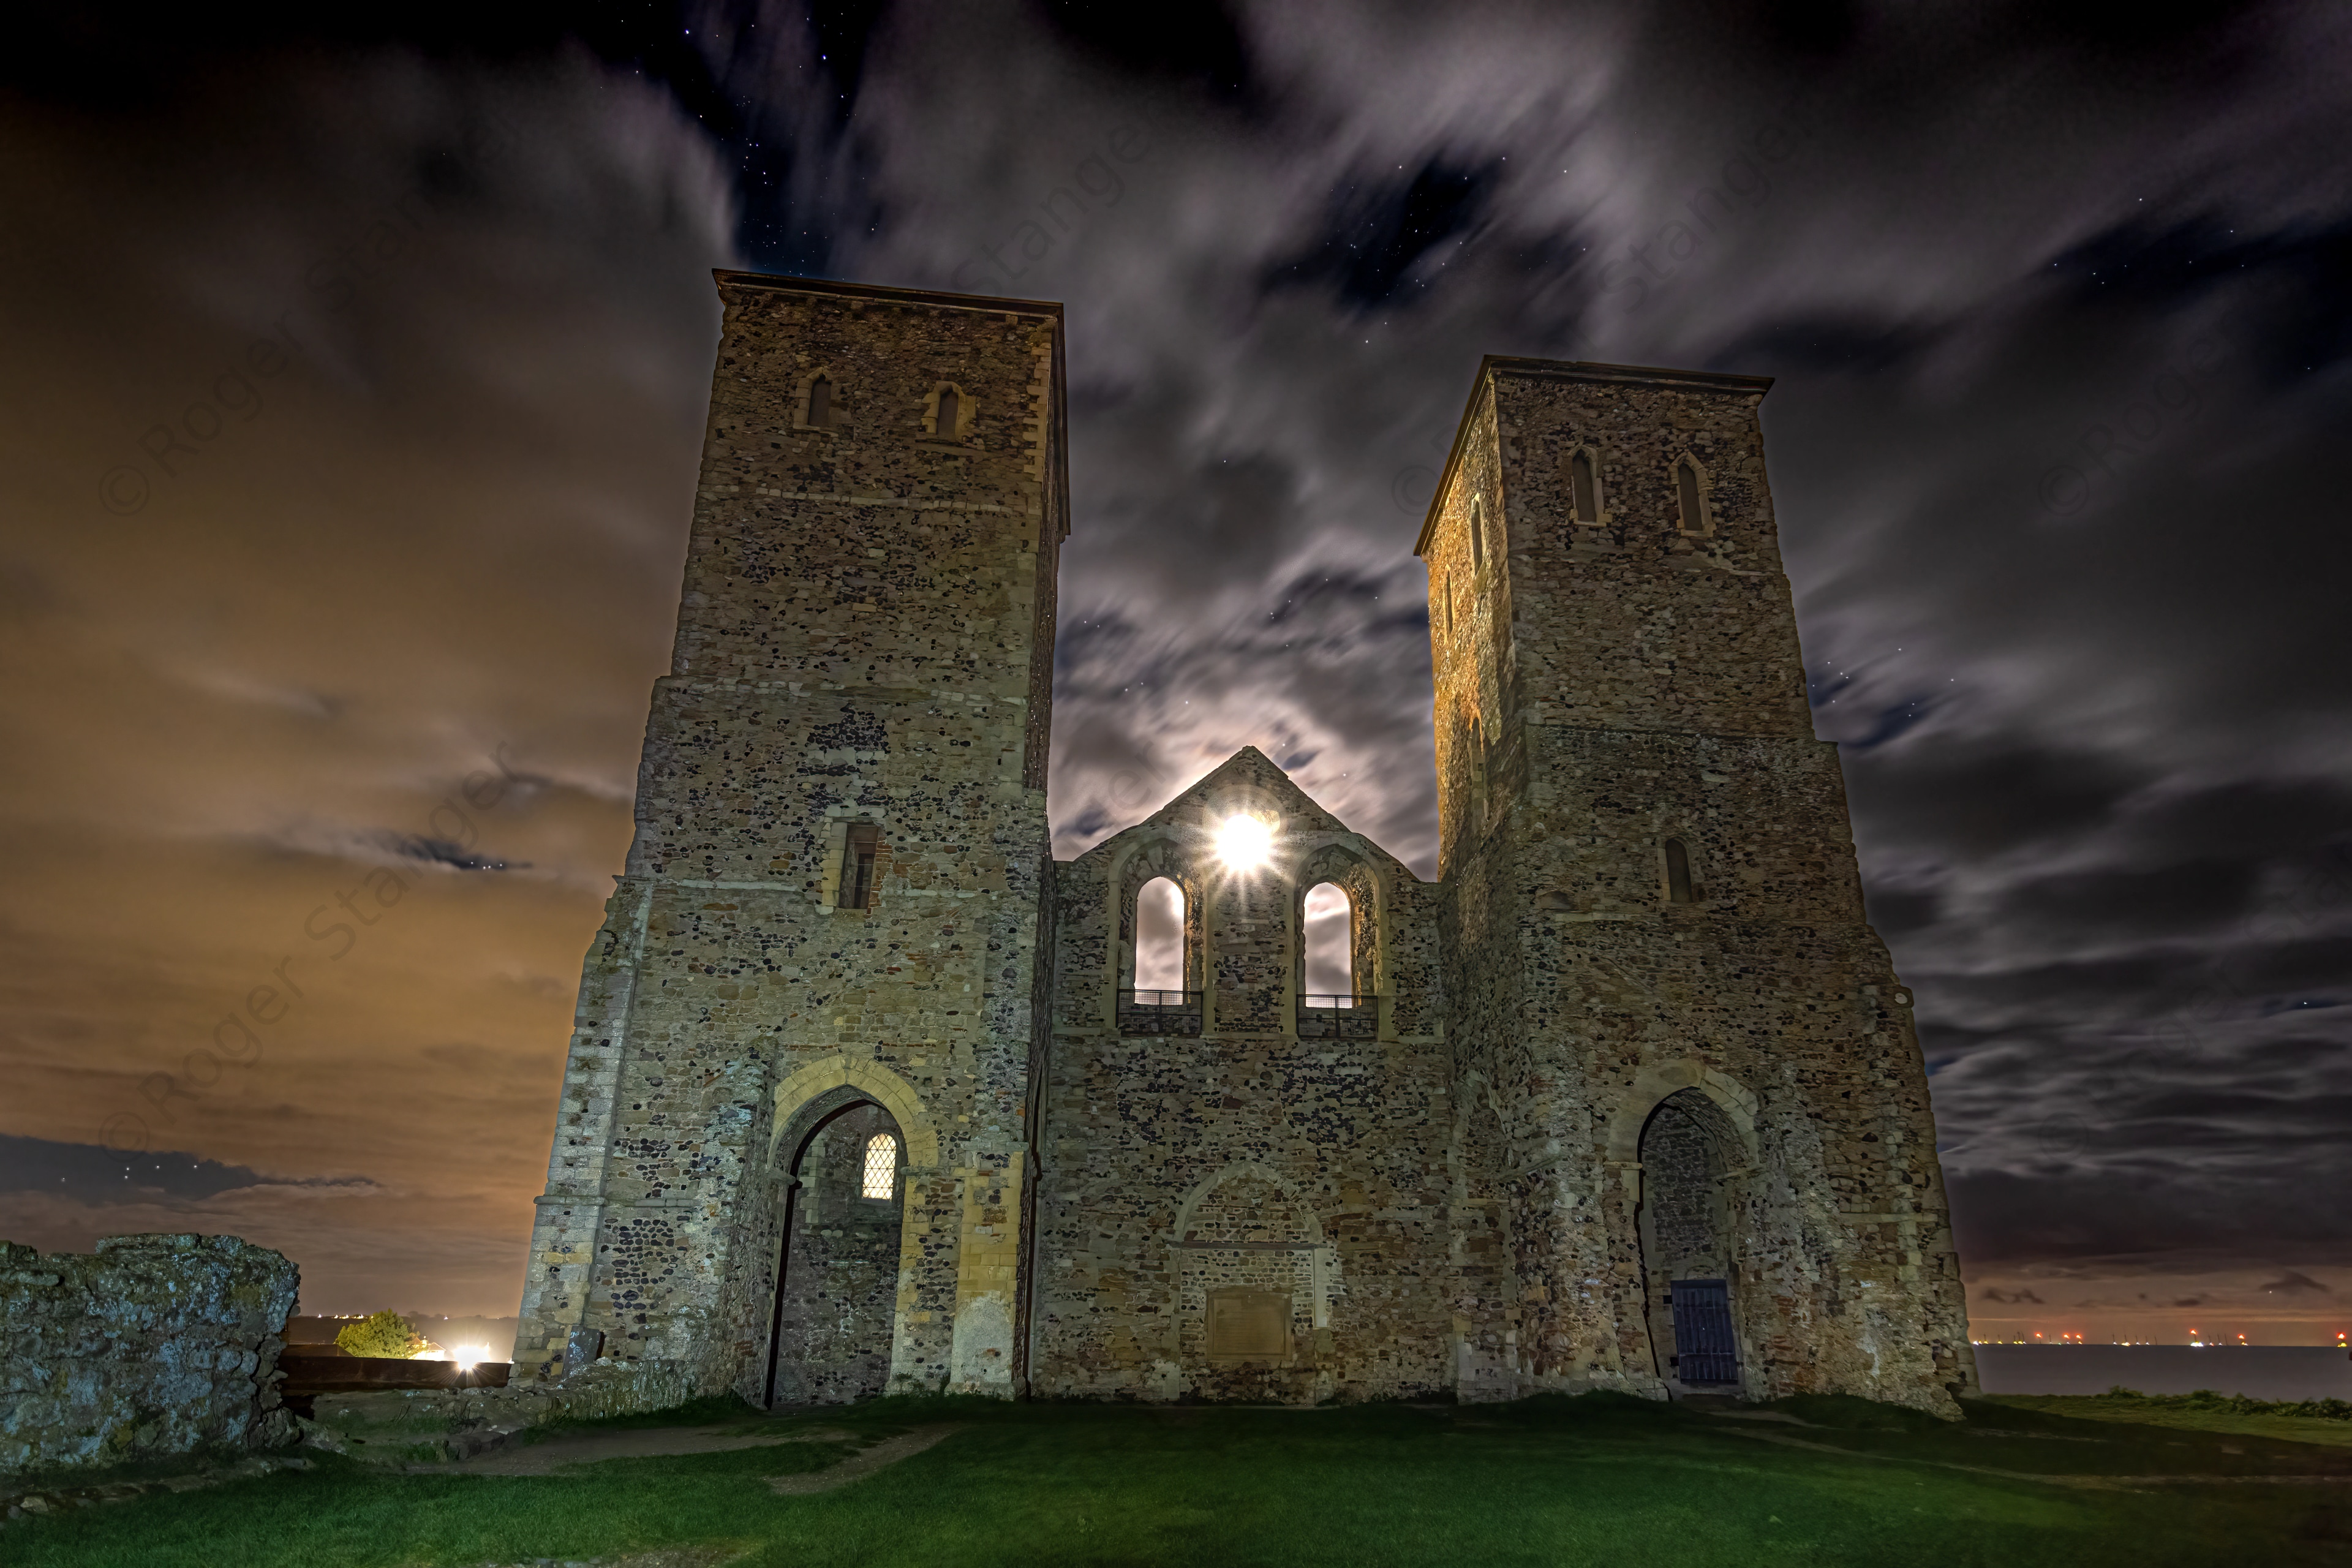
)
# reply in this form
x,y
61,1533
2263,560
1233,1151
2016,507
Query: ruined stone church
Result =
x,y
864,1094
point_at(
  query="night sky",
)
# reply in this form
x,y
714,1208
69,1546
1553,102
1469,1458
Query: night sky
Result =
x,y
353,391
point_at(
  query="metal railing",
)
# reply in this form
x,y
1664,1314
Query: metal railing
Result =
x,y
1328,1016
1160,1012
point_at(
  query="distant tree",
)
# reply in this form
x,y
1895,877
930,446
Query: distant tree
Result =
x,y
383,1334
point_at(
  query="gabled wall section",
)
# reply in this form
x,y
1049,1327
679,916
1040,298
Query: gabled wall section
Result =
x,y
1336,1144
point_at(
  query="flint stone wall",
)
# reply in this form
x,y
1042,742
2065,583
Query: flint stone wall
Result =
x,y
151,1345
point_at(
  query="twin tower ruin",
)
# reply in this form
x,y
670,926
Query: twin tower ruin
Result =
x,y
864,1096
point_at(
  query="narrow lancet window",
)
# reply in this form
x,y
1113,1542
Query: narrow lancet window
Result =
x,y
1581,494
820,407
1693,502
1329,932
950,408
881,1167
1678,877
858,879
1159,936
1478,537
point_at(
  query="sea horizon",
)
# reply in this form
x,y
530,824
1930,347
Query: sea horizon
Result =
x,y
2257,1372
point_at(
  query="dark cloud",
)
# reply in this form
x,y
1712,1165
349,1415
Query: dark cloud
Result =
x,y
92,1174
444,852
2290,1283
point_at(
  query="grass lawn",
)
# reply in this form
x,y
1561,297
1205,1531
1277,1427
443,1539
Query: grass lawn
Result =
x,y
1599,1480
2180,1412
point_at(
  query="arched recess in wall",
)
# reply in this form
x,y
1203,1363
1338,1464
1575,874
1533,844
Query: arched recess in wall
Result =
x,y
1691,1223
1326,941
1157,920
820,406
841,1238
948,412
1356,923
797,1095
1256,1285
1488,1356
1652,1084
1582,476
1157,958
1693,511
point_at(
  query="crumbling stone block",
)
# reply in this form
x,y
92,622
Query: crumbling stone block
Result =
x,y
151,1345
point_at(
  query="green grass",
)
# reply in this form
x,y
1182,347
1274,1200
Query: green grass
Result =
x,y
2206,1413
1598,1480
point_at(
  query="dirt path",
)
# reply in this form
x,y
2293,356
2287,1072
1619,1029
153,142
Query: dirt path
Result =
x,y
888,1452
645,1443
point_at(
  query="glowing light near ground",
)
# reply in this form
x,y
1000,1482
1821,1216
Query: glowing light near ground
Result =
x,y
1244,843
470,1356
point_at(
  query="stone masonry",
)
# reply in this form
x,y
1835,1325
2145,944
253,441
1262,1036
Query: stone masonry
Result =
x,y
151,1346
1637,1034
863,668
1619,689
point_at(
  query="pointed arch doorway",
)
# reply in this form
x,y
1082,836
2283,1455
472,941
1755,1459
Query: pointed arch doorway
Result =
x,y
1689,1237
834,1317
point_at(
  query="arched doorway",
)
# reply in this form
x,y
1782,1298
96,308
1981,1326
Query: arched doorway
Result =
x,y
1689,1249
836,1298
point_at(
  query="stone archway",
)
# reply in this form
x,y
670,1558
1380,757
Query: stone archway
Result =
x,y
833,1321
815,1153
1254,1292
1689,1224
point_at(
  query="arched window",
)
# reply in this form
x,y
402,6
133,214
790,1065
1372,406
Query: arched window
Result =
x,y
881,1167
1678,874
860,850
1583,488
1329,940
820,400
1159,936
1692,497
1477,536
951,406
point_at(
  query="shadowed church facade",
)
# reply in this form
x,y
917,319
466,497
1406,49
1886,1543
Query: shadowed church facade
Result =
x,y
864,1093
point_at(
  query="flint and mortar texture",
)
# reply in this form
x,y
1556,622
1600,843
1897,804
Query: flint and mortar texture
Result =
x,y
1605,686
1246,1157
151,1345
864,637
1438,1187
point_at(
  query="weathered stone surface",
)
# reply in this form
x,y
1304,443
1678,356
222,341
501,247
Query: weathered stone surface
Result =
x,y
865,642
1464,1180
151,1345
1603,686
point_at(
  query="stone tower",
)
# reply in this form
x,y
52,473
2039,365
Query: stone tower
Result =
x,y
866,1092
806,1032
1687,1077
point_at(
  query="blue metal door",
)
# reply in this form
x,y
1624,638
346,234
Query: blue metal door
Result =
x,y
1704,1350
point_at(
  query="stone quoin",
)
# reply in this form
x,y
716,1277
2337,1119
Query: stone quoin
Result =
x,y
864,1095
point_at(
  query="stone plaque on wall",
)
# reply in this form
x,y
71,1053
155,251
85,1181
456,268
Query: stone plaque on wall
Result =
x,y
1248,1325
